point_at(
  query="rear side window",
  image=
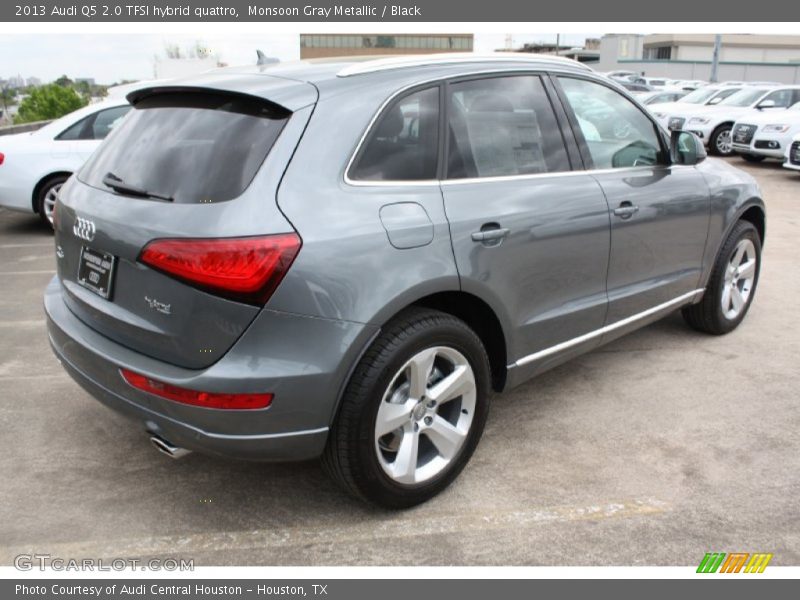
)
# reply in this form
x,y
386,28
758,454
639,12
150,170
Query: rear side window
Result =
x,y
403,143
191,147
96,126
502,126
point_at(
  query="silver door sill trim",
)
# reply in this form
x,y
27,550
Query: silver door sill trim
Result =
x,y
603,330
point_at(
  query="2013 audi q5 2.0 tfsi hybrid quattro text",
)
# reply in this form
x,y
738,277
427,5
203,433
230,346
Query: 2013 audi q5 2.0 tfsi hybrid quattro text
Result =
x,y
344,259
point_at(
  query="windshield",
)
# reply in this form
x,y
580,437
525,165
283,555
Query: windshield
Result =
x,y
743,97
699,96
187,147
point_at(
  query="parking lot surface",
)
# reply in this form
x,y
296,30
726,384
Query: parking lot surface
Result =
x,y
652,450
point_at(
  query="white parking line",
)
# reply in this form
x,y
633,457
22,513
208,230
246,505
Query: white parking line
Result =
x,y
26,323
42,272
29,377
406,525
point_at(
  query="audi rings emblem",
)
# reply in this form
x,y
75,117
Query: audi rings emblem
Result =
x,y
84,229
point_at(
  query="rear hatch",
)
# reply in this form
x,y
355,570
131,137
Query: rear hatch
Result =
x,y
177,203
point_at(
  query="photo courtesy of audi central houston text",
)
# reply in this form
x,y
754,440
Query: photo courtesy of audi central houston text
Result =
x,y
243,317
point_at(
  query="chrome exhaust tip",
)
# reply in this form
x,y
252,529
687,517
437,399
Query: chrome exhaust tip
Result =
x,y
165,447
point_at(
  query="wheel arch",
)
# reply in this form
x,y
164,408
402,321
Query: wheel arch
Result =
x,y
482,319
754,213
40,184
751,211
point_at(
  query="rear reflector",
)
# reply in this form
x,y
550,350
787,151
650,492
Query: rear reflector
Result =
x,y
194,397
245,269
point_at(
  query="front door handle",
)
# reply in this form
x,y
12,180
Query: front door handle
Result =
x,y
490,234
626,210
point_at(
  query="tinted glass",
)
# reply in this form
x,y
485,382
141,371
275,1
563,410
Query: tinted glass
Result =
x,y
106,120
502,126
75,132
617,132
403,143
701,95
194,147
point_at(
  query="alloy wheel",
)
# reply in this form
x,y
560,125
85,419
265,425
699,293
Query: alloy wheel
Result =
x,y
740,274
425,415
49,203
724,142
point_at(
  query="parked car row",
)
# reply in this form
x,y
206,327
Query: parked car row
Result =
x,y
713,121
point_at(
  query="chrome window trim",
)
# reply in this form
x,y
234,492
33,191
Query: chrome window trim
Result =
x,y
603,330
447,182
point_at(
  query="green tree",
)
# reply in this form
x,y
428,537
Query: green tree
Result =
x,y
49,102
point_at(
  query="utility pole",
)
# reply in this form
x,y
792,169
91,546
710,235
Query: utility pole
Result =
x,y
715,58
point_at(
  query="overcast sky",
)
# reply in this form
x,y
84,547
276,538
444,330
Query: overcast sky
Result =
x,y
110,58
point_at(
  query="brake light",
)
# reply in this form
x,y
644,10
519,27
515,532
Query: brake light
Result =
x,y
194,397
2,158
245,269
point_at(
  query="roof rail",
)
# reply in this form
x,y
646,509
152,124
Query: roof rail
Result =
x,y
446,58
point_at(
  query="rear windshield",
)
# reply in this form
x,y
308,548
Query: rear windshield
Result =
x,y
189,147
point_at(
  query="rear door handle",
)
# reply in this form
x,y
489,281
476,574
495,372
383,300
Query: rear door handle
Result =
x,y
626,210
494,234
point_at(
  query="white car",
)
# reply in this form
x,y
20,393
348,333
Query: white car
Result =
x,y
792,156
34,165
709,95
713,124
765,134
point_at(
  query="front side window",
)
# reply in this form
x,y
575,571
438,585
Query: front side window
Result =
x,y
502,126
617,133
743,98
781,98
403,143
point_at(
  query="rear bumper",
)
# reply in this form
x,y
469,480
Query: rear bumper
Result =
x,y
15,197
306,379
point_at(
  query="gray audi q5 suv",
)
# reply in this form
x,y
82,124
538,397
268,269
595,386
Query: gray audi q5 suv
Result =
x,y
344,259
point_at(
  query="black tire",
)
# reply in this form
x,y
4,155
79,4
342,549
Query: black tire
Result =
x,y
350,457
712,141
45,188
753,158
708,316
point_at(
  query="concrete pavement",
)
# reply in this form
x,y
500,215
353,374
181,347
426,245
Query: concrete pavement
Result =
x,y
652,450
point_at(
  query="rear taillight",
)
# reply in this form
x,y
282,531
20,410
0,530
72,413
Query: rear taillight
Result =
x,y
2,158
194,397
245,269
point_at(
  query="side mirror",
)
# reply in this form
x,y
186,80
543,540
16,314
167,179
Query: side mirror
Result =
x,y
686,148
766,104
714,101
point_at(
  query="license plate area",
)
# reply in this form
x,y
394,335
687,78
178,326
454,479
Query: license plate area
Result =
x,y
96,271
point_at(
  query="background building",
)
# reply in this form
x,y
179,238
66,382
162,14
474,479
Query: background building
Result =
x,y
744,57
314,45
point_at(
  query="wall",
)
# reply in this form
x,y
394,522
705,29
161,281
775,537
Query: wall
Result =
x,y
734,71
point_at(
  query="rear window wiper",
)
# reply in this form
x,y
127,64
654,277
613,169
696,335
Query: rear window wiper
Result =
x,y
118,185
